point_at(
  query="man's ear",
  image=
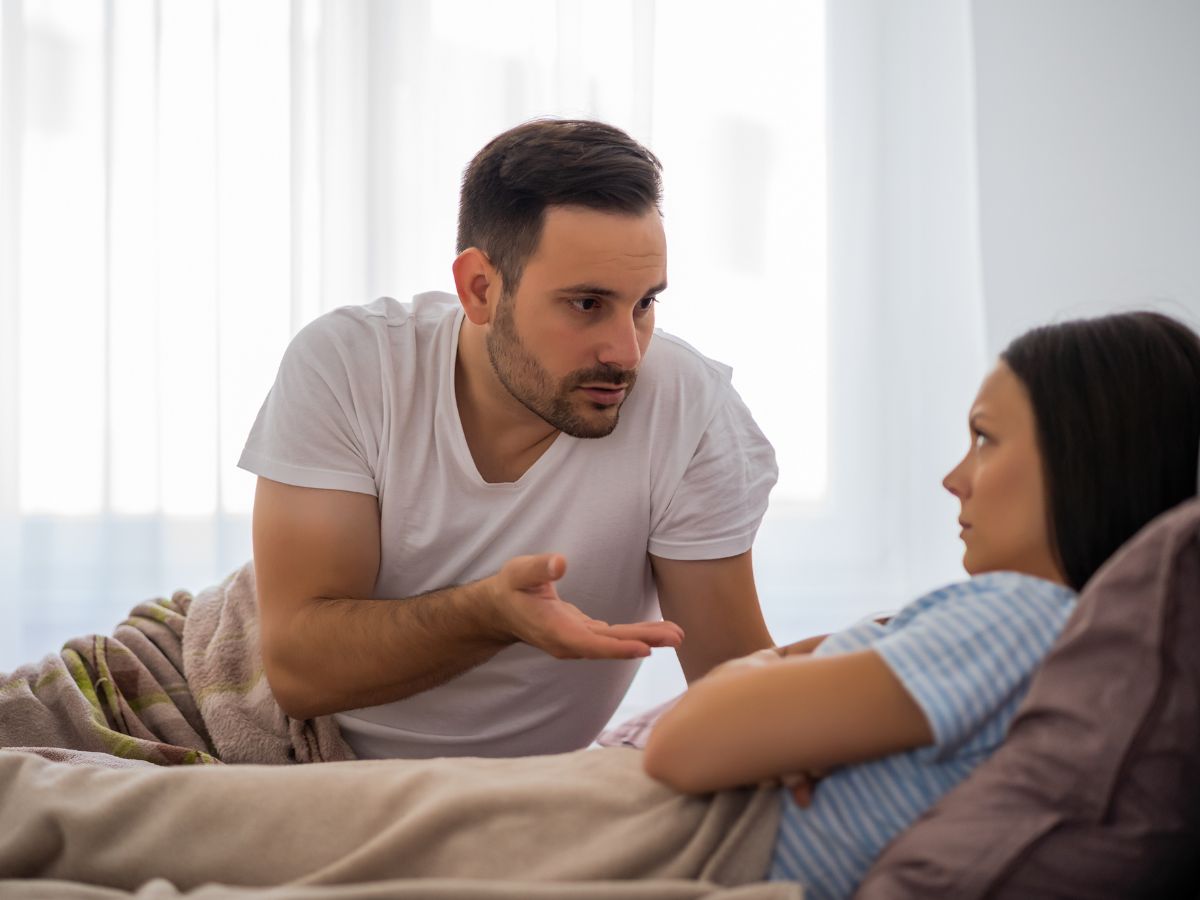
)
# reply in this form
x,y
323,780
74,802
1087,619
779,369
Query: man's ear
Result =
x,y
478,284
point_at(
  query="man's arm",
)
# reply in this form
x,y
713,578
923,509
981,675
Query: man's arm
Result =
x,y
716,604
326,648
774,715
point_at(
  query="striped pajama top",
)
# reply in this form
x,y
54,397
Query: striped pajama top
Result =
x,y
966,654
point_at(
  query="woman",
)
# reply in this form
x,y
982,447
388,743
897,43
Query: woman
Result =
x,y
1082,433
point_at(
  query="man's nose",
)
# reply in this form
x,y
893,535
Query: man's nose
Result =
x,y
621,346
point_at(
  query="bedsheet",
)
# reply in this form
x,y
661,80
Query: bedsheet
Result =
x,y
576,826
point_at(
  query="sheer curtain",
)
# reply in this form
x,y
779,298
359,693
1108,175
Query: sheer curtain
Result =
x,y
185,183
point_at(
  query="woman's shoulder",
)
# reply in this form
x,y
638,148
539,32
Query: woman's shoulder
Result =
x,y
993,584
990,595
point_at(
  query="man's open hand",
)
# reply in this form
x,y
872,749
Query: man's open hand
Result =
x,y
531,611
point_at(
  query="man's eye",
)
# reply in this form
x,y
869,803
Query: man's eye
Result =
x,y
585,304
645,303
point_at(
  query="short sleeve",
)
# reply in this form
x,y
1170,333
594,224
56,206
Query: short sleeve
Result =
x,y
967,652
859,636
721,499
314,427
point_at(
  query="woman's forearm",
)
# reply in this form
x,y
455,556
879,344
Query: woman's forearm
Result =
x,y
751,724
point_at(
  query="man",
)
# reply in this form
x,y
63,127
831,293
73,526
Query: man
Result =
x,y
457,496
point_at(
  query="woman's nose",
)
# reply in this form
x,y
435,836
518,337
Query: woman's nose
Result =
x,y
955,482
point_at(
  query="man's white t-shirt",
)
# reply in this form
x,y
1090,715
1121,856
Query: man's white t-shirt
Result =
x,y
364,401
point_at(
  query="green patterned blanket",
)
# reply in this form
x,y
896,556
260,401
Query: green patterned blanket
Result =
x,y
178,682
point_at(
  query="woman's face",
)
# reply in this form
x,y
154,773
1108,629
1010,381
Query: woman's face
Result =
x,y
999,484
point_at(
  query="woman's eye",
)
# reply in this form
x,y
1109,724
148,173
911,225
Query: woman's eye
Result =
x,y
981,439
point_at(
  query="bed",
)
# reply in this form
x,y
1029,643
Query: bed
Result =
x,y
1095,793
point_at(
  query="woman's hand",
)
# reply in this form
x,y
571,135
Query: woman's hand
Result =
x,y
802,786
801,648
755,660
765,715
760,658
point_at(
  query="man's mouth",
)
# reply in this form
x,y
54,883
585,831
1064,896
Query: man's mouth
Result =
x,y
604,394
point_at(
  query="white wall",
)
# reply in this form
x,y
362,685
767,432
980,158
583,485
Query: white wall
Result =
x,y
994,164
907,347
1088,129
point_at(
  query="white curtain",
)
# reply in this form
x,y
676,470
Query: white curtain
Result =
x,y
185,183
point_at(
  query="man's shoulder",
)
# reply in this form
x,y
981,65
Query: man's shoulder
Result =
x,y
347,331
677,366
670,352
385,312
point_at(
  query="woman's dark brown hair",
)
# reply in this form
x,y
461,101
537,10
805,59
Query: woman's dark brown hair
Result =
x,y
1117,405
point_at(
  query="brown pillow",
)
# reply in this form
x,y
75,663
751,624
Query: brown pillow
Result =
x,y
1096,790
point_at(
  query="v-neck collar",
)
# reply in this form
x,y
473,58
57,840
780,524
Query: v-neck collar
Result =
x,y
458,436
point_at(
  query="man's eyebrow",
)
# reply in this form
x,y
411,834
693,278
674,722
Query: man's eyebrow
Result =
x,y
592,289
595,290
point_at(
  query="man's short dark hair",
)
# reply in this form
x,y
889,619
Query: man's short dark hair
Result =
x,y
549,162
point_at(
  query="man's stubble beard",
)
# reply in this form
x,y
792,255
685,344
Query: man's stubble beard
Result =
x,y
533,387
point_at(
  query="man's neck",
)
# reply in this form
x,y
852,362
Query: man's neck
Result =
x,y
505,438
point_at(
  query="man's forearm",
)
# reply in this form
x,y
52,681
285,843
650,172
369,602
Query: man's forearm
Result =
x,y
324,655
334,654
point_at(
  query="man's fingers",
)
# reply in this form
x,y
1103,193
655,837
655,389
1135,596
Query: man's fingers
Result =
x,y
589,645
655,634
589,639
564,631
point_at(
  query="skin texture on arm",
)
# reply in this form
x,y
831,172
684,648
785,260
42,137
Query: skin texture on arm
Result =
x,y
716,604
746,724
326,648
315,549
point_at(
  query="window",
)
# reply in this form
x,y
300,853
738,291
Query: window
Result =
x,y
186,184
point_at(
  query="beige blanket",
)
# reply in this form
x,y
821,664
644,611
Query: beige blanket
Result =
x,y
576,826
179,681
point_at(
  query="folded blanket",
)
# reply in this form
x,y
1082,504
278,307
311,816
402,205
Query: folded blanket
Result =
x,y
588,824
224,671
635,732
179,681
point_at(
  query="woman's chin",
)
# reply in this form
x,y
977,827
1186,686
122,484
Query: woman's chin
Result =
x,y
970,565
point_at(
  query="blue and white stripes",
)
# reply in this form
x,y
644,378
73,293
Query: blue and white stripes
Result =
x,y
966,654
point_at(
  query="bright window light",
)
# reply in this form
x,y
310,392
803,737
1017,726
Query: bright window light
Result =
x,y
185,206
742,139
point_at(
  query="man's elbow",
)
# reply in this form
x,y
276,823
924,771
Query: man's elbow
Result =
x,y
294,696
293,701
